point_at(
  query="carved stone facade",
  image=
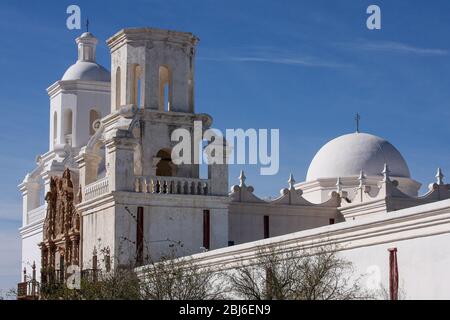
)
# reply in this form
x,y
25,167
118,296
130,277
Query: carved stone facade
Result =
x,y
61,232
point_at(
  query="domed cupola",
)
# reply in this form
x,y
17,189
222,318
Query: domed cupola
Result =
x,y
86,68
341,161
347,155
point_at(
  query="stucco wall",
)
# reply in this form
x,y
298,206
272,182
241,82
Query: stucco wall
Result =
x,y
98,232
421,235
31,237
246,219
169,222
423,265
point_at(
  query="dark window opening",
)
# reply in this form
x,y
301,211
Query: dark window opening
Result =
x,y
266,227
206,229
140,236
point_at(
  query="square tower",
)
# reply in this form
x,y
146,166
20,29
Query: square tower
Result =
x,y
145,204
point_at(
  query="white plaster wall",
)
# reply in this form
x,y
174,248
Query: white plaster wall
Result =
x,y
423,265
250,227
176,224
81,102
110,220
421,235
31,237
87,101
246,221
314,196
219,228
284,224
246,228
98,232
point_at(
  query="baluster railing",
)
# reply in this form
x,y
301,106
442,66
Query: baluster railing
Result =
x,y
96,188
171,185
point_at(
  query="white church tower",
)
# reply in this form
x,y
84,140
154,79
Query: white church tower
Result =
x,y
136,203
80,98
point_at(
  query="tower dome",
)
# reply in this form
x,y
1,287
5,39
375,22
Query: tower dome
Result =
x,y
86,68
347,155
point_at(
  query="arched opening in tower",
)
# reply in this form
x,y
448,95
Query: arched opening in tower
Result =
x,y
137,86
55,128
93,116
68,126
165,89
118,88
165,166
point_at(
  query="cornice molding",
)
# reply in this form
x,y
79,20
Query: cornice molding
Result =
x,y
78,85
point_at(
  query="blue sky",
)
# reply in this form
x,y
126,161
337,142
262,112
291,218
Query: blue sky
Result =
x,y
305,67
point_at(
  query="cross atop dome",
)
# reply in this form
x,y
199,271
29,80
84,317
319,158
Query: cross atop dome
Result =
x,y
357,119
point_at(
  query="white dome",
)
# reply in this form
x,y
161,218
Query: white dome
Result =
x,y
346,155
89,71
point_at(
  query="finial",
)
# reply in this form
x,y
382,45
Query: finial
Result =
x,y
291,182
87,24
386,172
338,185
94,252
439,177
34,265
361,178
357,119
242,179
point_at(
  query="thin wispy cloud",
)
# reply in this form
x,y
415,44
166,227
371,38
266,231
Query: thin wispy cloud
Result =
x,y
395,47
270,55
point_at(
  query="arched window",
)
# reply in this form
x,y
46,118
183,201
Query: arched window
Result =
x,y
68,122
138,94
118,88
165,88
137,72
68,125
165,166
93,115
55,127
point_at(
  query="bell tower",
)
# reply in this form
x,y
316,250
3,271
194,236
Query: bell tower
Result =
x,y
80,98
152,114
153,69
